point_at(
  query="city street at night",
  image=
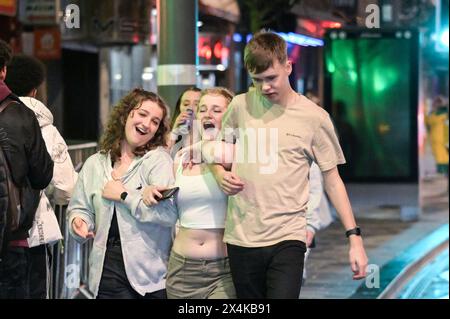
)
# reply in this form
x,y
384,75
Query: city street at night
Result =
x,y
236,150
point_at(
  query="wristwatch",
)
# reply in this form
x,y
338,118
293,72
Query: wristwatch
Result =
x,y
123,196
354,231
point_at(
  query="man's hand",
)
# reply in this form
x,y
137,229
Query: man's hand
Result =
x,y
151,193
358,257
112,190
80,228
309,237
230,183
191,154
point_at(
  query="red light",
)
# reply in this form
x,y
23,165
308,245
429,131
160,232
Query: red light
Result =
x,y
218,50
203,52
212,50
309,26
225,53
201,41
330,25
204,49
208,53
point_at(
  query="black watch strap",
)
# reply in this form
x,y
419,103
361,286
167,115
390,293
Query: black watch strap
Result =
x,y
354,231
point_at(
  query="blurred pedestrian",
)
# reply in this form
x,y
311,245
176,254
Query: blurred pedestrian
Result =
x,y
25,76
437,124
31,170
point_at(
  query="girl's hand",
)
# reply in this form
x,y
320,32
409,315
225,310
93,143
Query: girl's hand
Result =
x,y
181,119
152,193
112,190
80,228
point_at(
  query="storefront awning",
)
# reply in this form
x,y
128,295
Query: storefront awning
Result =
x,y
313,11
225,9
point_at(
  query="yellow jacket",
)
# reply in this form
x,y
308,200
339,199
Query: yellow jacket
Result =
x,y
437,124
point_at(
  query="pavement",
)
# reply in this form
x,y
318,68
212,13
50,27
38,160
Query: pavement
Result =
x,y
387,233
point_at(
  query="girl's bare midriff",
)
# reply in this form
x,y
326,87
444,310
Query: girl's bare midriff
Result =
x,y
200,243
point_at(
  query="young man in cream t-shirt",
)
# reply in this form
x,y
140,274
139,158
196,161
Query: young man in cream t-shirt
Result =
x,y
277,134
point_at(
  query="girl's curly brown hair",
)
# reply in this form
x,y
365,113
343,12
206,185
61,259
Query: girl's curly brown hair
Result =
x,y
115,129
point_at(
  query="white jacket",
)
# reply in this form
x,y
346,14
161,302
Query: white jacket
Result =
x,y
64,175
145,231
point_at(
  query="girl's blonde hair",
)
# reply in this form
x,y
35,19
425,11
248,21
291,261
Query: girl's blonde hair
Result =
x,y
227,94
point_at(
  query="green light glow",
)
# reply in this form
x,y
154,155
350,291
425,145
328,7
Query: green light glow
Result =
x,y
383,79
330,66
353,75
371,78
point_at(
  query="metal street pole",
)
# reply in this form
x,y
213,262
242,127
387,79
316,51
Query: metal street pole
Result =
x,y
177,48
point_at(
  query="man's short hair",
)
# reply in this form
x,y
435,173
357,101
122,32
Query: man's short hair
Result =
x,y
261,51
25,73
5,54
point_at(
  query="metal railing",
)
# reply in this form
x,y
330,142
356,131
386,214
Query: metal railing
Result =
x,y
69,268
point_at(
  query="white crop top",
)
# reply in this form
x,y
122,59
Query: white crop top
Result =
x,y
201,203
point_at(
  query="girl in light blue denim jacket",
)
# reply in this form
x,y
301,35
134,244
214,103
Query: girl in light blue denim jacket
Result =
x,y
132,239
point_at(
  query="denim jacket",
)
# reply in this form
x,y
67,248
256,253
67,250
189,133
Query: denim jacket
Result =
x,y
145,232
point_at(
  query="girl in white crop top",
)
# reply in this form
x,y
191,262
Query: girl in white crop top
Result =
x,y
202,207
200,201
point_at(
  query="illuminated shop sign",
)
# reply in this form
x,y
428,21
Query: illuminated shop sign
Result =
x,y
213,50
8,7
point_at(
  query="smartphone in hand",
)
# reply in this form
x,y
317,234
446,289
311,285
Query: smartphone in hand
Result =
x,y
168,193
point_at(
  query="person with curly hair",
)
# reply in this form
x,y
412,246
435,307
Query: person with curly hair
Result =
x,y
132,238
